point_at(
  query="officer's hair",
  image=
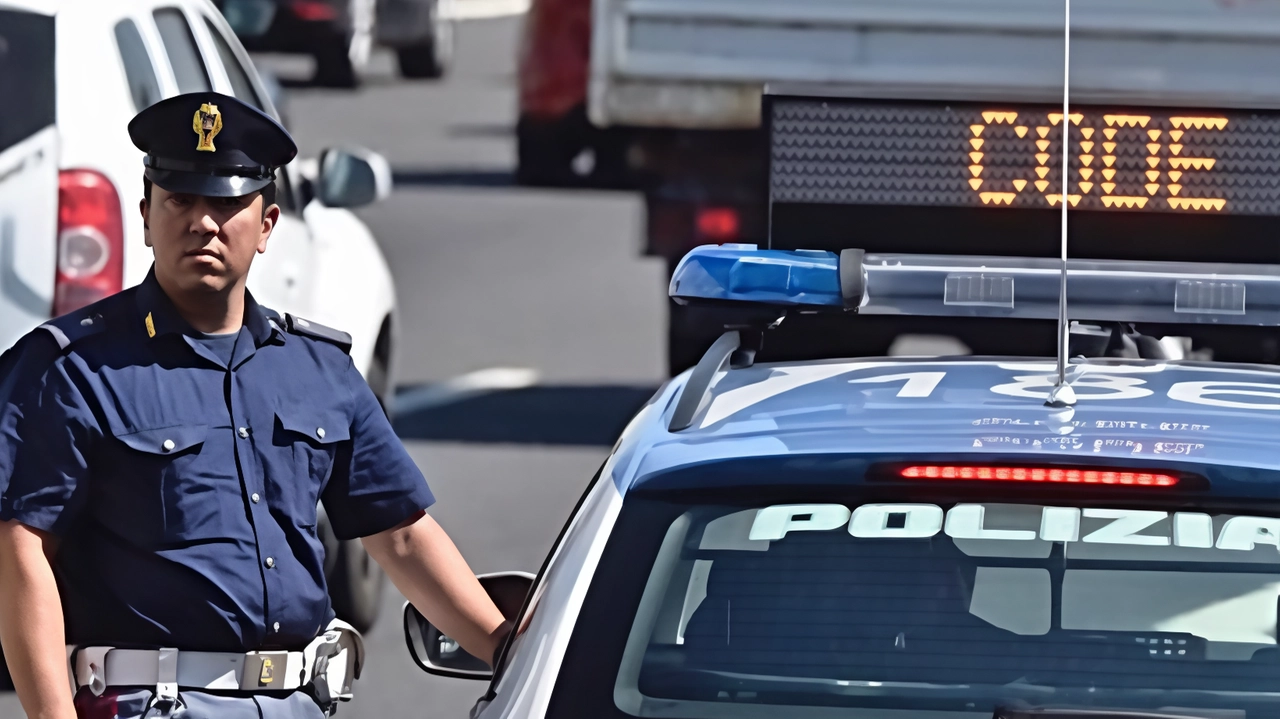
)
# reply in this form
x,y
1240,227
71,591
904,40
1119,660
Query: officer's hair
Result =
x,y
268,194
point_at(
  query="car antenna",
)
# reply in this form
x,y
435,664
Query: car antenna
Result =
x,y
1062,395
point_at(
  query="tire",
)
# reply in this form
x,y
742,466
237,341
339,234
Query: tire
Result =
x,y
356,586
546,149
378,381
544,154
430,58
611,171
333,54
379,375
419,62
334,67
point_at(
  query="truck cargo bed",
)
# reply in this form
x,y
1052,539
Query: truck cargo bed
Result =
x,y
703,63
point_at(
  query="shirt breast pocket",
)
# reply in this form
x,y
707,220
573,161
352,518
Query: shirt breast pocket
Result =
x,y
309,439
168,486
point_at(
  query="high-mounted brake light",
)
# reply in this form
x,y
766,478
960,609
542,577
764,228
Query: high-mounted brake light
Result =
x,y
1054,475
90,241
313,10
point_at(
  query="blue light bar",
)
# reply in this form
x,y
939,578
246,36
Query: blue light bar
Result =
x,y
957,286
742,273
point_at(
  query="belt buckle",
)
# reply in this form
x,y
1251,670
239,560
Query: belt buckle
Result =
x,y
264,670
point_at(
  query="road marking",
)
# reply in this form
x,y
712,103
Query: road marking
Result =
x,y
480,9
472,384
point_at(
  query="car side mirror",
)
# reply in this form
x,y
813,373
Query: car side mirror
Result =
x,y
352,178
437,654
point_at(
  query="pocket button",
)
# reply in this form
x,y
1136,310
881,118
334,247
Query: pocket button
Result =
x,y
168,445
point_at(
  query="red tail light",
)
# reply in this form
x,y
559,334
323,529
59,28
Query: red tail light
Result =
x,y
313,10
1038,474
718,224
90,241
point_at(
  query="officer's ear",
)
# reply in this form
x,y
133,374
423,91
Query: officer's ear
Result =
x,y
145,209
270,216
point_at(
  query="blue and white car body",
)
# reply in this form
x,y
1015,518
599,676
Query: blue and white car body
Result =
x,y
921,537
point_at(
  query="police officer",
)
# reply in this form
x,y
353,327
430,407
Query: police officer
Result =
x,y
166,449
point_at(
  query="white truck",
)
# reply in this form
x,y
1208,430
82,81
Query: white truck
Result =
x,y
684,80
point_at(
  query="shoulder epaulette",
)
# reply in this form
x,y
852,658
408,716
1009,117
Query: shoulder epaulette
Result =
x,y
275,319
71,328
315,330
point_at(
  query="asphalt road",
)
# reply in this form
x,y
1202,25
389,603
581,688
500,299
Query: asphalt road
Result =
x,y
488,275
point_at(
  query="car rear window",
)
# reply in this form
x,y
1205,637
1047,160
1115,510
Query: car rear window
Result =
x,y
144,88
951,608
184,54
241,86
27,81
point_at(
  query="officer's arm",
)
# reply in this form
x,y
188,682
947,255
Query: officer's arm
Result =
x,y
31,628
49,444
376,492
427,568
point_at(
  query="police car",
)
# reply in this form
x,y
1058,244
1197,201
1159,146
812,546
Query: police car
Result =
x,y
75,72
1096,534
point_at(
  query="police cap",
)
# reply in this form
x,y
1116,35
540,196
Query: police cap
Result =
x,y
210,144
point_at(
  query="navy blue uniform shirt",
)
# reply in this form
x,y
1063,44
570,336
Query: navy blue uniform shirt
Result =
x,y
184,491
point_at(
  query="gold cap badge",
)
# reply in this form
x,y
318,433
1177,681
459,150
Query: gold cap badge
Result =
x,y
207,123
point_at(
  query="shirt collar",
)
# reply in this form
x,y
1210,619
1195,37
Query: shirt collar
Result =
x,y
159,316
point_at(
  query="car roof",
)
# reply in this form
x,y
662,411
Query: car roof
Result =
x,y
113,7
39,7
1193,414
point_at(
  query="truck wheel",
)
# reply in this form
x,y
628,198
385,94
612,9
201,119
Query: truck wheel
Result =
x,y
343,54
420,62
542,158
547,146
333,65
431,57
356,586
611,171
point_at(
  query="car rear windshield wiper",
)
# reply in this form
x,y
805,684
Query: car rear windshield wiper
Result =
x,y
1064,713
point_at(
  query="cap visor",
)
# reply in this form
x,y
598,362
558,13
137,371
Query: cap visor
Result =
x,y
194,183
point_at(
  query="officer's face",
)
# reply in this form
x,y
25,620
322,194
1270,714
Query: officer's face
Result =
x,y
205,243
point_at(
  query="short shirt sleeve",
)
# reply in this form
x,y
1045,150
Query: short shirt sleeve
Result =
x,y
54,429
375,484
21,367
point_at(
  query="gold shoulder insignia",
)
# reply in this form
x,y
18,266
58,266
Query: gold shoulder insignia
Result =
x,y
207,123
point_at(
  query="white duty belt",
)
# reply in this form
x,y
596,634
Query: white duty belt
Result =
x,y
329,664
